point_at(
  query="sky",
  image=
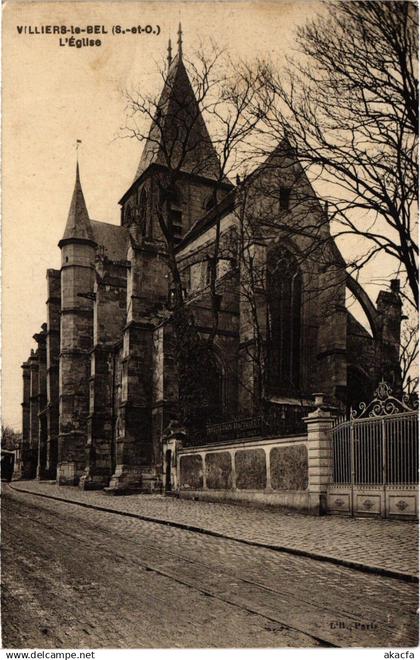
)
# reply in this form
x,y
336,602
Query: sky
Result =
x,y
54,95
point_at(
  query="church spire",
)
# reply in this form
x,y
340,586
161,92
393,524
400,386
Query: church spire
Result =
x,y
178,137
78,225
180,41
169,58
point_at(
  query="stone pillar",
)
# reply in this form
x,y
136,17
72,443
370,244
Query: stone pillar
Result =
x,y
134,470
172,441
165,407
319,425
100,422
268,469
147,286
53,357
34,410
26,456
109,316
233,466
40,338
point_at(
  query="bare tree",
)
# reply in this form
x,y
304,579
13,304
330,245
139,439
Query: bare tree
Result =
x,y
10,439
409,354
349,105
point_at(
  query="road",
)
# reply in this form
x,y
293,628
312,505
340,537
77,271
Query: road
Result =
x,y
79,578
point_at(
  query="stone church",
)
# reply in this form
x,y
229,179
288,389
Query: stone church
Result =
x,y
101,390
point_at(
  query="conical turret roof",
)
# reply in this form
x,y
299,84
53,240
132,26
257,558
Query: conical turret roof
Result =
x,y
78,226
178,137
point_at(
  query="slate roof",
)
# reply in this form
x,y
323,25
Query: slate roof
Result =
x,y
78,224
225,206
177,116
113,238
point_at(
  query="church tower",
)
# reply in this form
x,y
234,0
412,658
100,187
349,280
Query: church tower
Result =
x,y
176,177
77,281
179,167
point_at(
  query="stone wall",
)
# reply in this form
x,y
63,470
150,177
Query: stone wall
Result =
x,y
268,471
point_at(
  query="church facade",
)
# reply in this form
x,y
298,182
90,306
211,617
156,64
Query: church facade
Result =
x,y
261,276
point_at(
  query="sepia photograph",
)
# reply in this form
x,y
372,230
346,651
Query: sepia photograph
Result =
x,y
209,325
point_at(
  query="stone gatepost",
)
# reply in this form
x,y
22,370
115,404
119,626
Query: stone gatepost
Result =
x,y
173,439
319,425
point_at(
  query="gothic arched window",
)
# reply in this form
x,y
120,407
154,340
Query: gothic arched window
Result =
x,y
284,298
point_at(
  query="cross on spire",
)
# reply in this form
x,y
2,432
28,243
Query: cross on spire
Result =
x,y
169,58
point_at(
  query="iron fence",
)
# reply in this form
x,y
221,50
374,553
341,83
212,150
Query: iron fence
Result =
x,y
379,446
276,420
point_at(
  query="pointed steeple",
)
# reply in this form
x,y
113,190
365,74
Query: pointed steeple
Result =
x,y
178,130
180,41
169,58
78,225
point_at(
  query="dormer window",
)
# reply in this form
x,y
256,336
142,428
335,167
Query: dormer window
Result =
x,y
284,198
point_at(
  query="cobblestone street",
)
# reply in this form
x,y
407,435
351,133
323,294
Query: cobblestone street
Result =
x,y
386,544
79,577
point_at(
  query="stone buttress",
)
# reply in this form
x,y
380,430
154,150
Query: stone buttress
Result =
x,y
33,414
40,339
53,358
110,295
146,294
26,454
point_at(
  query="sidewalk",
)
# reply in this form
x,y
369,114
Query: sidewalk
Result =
x,y
388,547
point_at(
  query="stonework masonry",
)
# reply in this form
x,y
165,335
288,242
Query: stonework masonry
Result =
x,y
53,358
101,397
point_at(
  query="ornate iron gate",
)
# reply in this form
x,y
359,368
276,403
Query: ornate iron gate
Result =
x,y
376,458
